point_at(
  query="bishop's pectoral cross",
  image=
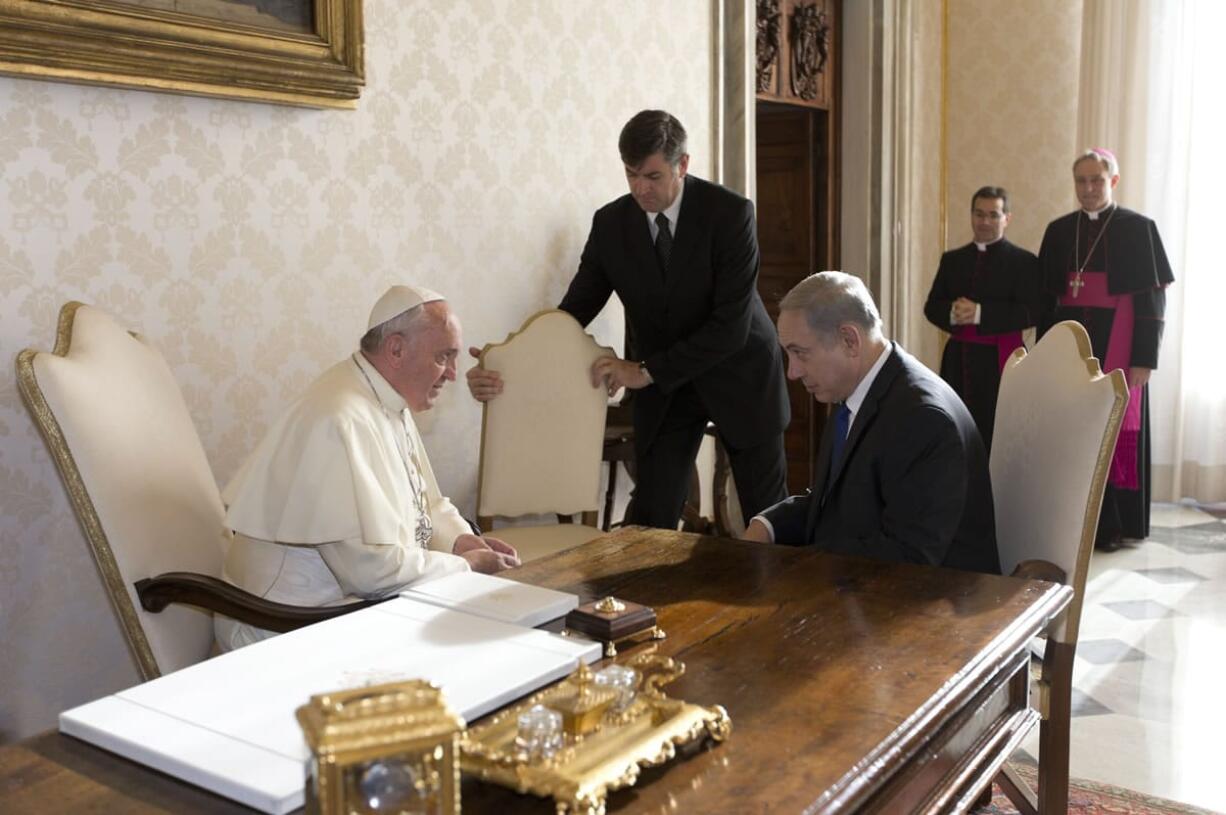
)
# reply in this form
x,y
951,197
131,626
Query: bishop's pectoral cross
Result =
x,y
1076,284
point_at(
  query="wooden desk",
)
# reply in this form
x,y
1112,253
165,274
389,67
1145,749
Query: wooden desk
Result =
x,y
853,686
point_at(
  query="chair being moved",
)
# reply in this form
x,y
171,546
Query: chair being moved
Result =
x,y
542,438
1057,419
123,441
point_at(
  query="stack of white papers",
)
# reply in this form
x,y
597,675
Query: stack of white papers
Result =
x,y
494,598
227,724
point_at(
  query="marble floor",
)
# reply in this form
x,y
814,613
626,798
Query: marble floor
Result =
x,y
1149,682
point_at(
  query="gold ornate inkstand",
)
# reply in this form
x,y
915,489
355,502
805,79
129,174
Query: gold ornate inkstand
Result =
x,y
590,734
397,747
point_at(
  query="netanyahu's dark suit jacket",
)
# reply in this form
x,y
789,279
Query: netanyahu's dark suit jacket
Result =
x,y
703,323
911,483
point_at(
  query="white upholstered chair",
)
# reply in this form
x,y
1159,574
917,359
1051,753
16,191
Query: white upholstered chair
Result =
x,y
1057,419
542,438
122,439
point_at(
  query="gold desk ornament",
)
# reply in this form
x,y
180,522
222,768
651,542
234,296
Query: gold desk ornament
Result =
x,y
388,748
610,755
610,605
614,622
583,703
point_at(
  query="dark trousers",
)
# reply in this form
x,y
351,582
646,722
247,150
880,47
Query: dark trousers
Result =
x,y
662,477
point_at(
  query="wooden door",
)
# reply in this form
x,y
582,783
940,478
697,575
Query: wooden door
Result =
x,y
794,239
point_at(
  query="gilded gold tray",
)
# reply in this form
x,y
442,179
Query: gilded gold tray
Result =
x,y
580,775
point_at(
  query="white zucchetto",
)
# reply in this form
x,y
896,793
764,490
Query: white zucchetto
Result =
x,y
397,300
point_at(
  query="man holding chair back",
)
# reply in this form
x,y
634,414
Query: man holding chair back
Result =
x,y
682,255
339,501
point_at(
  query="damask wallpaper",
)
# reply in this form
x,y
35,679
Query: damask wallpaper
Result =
x,y
249,241
1012,111
922,244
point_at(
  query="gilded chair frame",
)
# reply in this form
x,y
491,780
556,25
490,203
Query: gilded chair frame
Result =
x,y
78,495
155,592
1054,684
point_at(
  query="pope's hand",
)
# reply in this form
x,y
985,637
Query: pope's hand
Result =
x,y
466,545
487,561
501,546
482,384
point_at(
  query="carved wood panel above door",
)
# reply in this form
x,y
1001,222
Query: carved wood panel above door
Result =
x,y
795,51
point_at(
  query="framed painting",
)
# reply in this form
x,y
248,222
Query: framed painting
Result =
x,y
296,52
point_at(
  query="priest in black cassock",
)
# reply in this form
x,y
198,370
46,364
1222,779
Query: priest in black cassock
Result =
x,y
984,294
1104,266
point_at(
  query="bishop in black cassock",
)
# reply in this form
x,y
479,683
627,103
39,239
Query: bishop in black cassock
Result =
x,y
984,294
1104,266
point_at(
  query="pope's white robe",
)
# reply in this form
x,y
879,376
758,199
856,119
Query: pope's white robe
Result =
x,y
324,509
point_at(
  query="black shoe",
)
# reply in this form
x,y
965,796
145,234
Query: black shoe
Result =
x,y
1113,544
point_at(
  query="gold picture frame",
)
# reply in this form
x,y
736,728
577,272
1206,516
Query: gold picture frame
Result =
x,y
147,45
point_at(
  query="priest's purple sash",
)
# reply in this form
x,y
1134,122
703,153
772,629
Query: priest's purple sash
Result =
x,y
1006,343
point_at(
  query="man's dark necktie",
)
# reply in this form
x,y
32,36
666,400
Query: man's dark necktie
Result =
x,y
842,418
664,242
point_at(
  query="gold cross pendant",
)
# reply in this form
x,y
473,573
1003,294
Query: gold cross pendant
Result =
x,y
1076,285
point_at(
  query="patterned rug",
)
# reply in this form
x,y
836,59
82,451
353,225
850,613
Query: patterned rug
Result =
x,y
1092,798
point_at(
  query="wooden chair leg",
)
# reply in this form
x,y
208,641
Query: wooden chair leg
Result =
x,y
1054,729
691,517
1017,791
609,495
719,492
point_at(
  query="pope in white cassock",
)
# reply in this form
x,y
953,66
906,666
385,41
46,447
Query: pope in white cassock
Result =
x,y
338,501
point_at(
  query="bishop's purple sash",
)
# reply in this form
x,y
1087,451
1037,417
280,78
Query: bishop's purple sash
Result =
x,y
1094,294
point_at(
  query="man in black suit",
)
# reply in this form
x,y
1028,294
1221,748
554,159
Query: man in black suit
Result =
x,y
682,254
902,474
985,294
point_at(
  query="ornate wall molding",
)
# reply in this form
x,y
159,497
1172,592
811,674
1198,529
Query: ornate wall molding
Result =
x,y
768,25
810,46
795,48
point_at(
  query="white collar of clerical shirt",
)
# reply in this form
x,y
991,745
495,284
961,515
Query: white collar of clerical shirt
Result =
x,y
983,247
383,389
672,212
1093,216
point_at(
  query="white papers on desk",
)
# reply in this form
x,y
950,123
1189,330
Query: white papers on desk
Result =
x,y
227,724
495,598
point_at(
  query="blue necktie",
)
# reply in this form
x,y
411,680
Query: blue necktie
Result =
x,y
842,419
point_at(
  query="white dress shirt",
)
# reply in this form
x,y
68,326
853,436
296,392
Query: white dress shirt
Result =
x,y
671,213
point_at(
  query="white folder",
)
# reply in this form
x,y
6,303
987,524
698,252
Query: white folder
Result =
x,y
227,724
